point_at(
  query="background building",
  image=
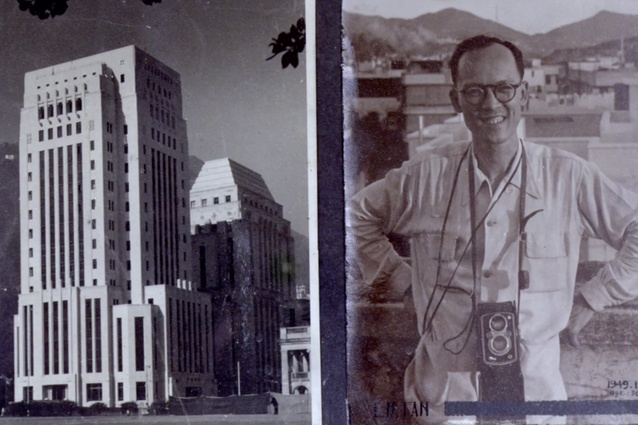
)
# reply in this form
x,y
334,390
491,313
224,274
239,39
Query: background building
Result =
x,y
244,257
106,309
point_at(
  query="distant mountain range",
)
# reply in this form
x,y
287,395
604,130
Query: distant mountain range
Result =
x,y
437,33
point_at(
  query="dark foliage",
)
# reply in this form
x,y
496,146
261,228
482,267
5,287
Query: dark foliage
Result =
x,y
43,408
290,44
129,408
45,9
159,408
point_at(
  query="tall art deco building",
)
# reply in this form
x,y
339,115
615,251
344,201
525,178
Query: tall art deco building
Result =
x,y
107,312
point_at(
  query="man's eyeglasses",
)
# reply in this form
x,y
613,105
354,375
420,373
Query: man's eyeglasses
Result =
x,y
475,94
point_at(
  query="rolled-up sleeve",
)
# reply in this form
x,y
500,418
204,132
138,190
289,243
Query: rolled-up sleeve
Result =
x,y
610,212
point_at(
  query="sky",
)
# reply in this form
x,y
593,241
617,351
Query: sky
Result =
x,y
528,16
236,103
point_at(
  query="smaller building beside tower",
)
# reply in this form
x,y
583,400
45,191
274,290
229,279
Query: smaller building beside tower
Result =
x,y
243,255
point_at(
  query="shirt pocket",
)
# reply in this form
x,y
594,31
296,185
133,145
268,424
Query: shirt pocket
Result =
x,y
546,245
547,261
433,246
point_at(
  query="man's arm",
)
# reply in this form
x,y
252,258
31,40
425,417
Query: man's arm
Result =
x,y
379,209
608,212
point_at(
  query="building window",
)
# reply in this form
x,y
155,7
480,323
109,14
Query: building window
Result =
x,y
204,202
30,233
92,164
78,104
78,127
120,389
41,112
49,111
60,110
139,344
94,263
193,204
215,200
121,78
50,134
140,391
227,198
94,392
69,129
29,158
41,135
60,131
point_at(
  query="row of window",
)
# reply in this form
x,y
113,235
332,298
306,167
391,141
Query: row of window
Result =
x,y
153,70
155,135
163,116
59,109
66,81
204,201
59,133
94,391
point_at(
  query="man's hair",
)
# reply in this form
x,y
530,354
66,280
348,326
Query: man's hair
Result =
x,y
479,42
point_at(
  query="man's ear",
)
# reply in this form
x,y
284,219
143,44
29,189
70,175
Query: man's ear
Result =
x,y
524,93
454,97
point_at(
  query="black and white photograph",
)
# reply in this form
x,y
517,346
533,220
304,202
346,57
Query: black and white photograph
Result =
x,y
491,207
157,225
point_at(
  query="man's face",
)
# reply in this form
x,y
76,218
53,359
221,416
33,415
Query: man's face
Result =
x,y
491,122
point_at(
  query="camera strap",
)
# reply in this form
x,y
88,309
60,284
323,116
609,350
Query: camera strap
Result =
x,y
523,277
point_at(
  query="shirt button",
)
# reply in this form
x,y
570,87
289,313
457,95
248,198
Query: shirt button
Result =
x,y
491,223
487,274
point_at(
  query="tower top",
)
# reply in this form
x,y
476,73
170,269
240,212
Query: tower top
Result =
x,y
225,173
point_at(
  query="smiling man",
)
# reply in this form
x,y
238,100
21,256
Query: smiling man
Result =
x,y
495,228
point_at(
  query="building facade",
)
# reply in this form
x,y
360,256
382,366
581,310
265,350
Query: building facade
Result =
x,y
106,311
243,255
295,358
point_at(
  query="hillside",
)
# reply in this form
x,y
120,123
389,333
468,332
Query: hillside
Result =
x,y
437,33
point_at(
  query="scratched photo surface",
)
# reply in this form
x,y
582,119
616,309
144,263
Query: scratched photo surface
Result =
x,y
581,69
154,208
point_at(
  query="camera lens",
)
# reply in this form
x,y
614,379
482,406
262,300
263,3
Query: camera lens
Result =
x,y
498,322
499,345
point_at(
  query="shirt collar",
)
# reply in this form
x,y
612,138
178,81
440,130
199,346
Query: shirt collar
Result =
x,y
532,185
513,167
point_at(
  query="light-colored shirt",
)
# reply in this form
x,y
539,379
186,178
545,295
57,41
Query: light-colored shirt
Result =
x,y
576,200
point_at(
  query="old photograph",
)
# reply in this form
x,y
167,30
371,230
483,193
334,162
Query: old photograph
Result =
x,y
155,212
490,151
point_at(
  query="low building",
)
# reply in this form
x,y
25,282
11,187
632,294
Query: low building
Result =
x,y
295,360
